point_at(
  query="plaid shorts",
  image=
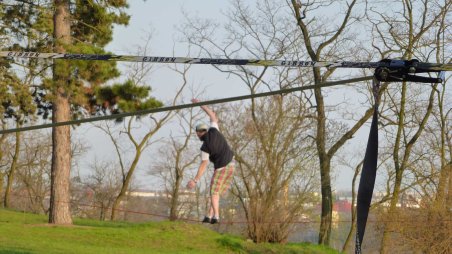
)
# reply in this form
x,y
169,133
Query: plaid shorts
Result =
x,y
222,179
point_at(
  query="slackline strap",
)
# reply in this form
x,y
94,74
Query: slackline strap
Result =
x,y
368,174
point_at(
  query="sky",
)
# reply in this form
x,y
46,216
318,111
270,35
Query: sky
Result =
x,y
162,18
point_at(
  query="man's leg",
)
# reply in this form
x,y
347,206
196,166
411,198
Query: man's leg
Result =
x,y
208,217
215,186
211,211
219,184
215,200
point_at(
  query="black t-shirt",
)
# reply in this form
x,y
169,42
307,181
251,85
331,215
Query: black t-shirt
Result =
x,y
218,149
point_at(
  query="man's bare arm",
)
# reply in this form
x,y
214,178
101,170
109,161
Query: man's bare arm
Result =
x,y
209,112
202,167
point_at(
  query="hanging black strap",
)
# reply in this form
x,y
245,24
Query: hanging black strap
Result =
x,y
369,171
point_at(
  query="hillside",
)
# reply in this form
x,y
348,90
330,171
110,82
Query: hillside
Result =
x,y
29,233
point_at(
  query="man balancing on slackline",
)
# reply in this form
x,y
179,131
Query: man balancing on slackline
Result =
x,y
216,149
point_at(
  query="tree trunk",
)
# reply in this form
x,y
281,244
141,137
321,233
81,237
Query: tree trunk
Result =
x,y
61,138
327,203
2,176
399,168
440,201
354,212
325,167
444,171
102,212
125,184
12,171
449,196
175,197
2,140
174,203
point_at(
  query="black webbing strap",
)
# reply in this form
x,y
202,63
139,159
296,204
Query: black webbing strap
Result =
x,y
367,181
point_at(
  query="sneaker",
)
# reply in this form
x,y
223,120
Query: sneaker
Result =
x,y
214,220
206,220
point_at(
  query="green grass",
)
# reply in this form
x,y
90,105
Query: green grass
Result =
x,y
24,233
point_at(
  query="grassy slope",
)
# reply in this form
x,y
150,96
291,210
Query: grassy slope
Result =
x,y
29,233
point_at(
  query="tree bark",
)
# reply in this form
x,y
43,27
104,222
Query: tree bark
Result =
x,y
175,197
2,140
126,183
12,171
354,212
324,160
61,138
444,171
449,195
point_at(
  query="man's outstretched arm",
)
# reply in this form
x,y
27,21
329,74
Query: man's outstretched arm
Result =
x,y
202,167
209,112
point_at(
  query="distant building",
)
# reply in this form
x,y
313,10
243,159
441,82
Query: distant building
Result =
x,y
147,194
342,206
